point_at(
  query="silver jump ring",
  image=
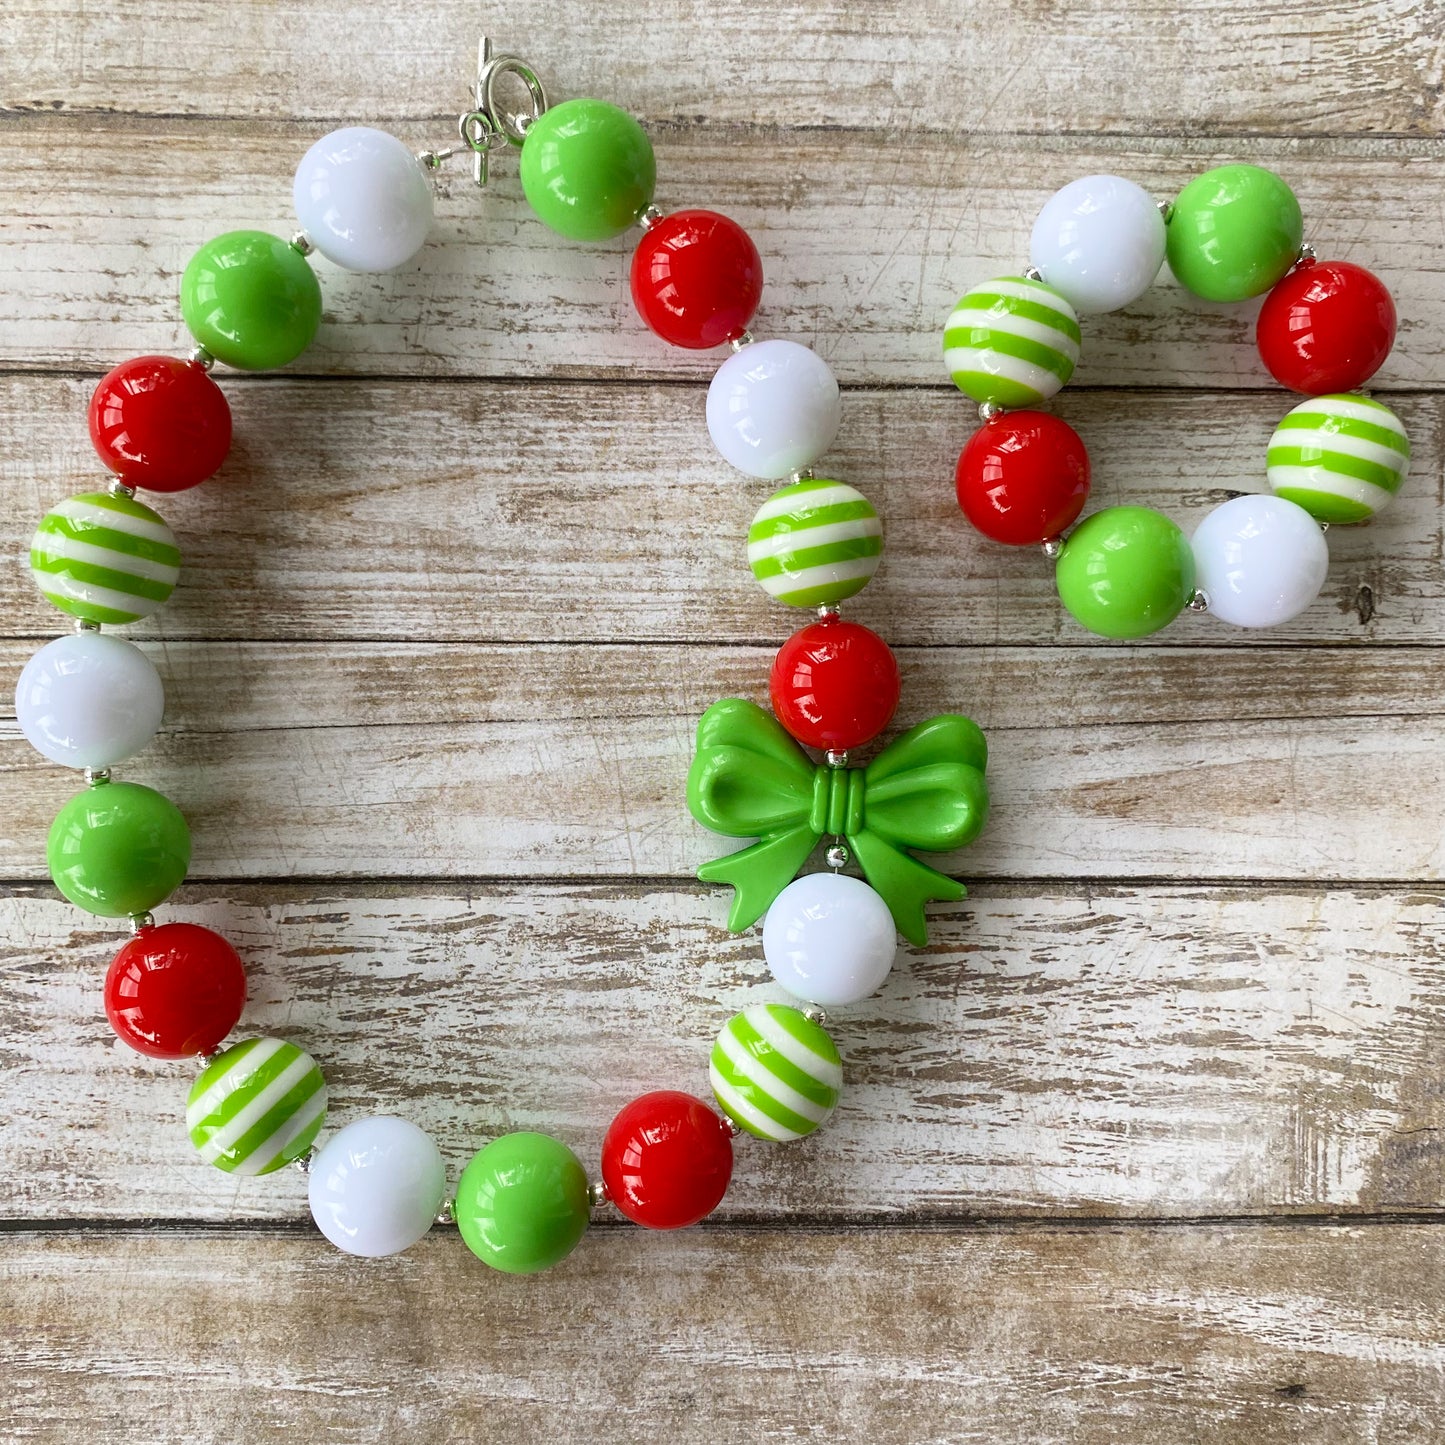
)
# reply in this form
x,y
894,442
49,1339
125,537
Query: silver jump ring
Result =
x,y
514,127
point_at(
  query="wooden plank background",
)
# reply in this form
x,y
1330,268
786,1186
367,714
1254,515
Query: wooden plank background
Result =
x,y
1144,1146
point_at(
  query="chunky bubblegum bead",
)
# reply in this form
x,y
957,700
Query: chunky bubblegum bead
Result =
x,y
815,542
773,408
160,423
522,1203
1011,342
830,939
775,1072
1341,458
666,1160
1126,572
1233,232
834,684
1328,326
256,1107
175,990
697,279
1023,477
1261,560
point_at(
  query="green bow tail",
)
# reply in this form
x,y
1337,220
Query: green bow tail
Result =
x,y
751,780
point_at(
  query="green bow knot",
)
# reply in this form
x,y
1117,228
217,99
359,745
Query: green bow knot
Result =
x,y
751,780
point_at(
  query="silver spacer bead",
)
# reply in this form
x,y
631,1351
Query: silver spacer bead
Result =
x,y
301,242
1324,526
803,474
1166,209
139,921
835,758
1032,273
815,1015
649,218
118,488
84,624
987,410
597,1194
447,1214
1199,602
207,1057
738,342
1053,548
201,357
1307,253
97,775
837,856
303,1164
827,610
732,1126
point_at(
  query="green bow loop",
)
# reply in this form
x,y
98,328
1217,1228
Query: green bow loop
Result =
x,y
750,779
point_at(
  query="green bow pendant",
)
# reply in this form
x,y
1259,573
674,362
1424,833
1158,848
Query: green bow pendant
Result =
x,y
751,780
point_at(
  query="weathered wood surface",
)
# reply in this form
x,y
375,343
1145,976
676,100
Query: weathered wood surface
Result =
x,y
1277,1335
590,513
1054,1050
867,239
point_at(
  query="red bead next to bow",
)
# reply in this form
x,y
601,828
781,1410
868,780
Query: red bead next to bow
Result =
x,y
160,423
175,990
834,685
1328,326
1023,477
666,1160
697,279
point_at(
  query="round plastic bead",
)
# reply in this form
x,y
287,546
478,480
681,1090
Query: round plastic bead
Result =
x,y
1260,560
829,939
834,684
666,1160
1126,572
1023,478
587,169
375,1188
1341,458
773,408
1326,327
697,279
118,849
160,423
775,1073
88,700
1011,342
174,990
256,1107
813,542
363,199
1100,241
1234,232
251,299
104,558
522,1203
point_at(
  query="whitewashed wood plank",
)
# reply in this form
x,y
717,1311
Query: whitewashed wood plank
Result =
x,y
1185,66
867,241
564,512
1275,1335
1054,1050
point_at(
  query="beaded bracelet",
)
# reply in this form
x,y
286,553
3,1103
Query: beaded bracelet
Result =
x,y
1324,329
118,849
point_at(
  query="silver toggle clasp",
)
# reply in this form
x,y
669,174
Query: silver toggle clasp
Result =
x,y
487,123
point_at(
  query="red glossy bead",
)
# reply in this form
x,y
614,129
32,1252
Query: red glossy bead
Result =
x,y
1328,326
175,990
1023,478
697,279
666,1160
834,684
160,423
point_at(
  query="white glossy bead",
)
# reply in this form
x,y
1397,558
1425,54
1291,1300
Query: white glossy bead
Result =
x,y
89,700
773,408
1261,560
363,199
375,1187
829,939
1100,241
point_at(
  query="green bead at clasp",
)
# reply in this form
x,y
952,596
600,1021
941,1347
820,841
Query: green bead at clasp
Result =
x,y
118,849
522,1203
587,169
1126,572
1233,232
251,299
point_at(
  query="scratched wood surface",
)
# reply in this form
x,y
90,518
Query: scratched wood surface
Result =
x,y
1145,1146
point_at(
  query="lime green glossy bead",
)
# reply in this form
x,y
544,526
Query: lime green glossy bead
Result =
x,y
1233,232
251,299
522,1203
587,169
118,849
1126,572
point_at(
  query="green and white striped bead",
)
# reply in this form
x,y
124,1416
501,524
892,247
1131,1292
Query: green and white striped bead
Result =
x,y
815,541
775,1072
1012,342
1340,457
256,1107
104,558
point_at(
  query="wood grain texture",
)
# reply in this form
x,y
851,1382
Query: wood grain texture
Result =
x,y
1309,1336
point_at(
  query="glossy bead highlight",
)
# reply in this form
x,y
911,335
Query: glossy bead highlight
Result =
x,y
522,1203
666,1160
1126,572
834,684
174,990
1326,327
160,423
1023,478
697,279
